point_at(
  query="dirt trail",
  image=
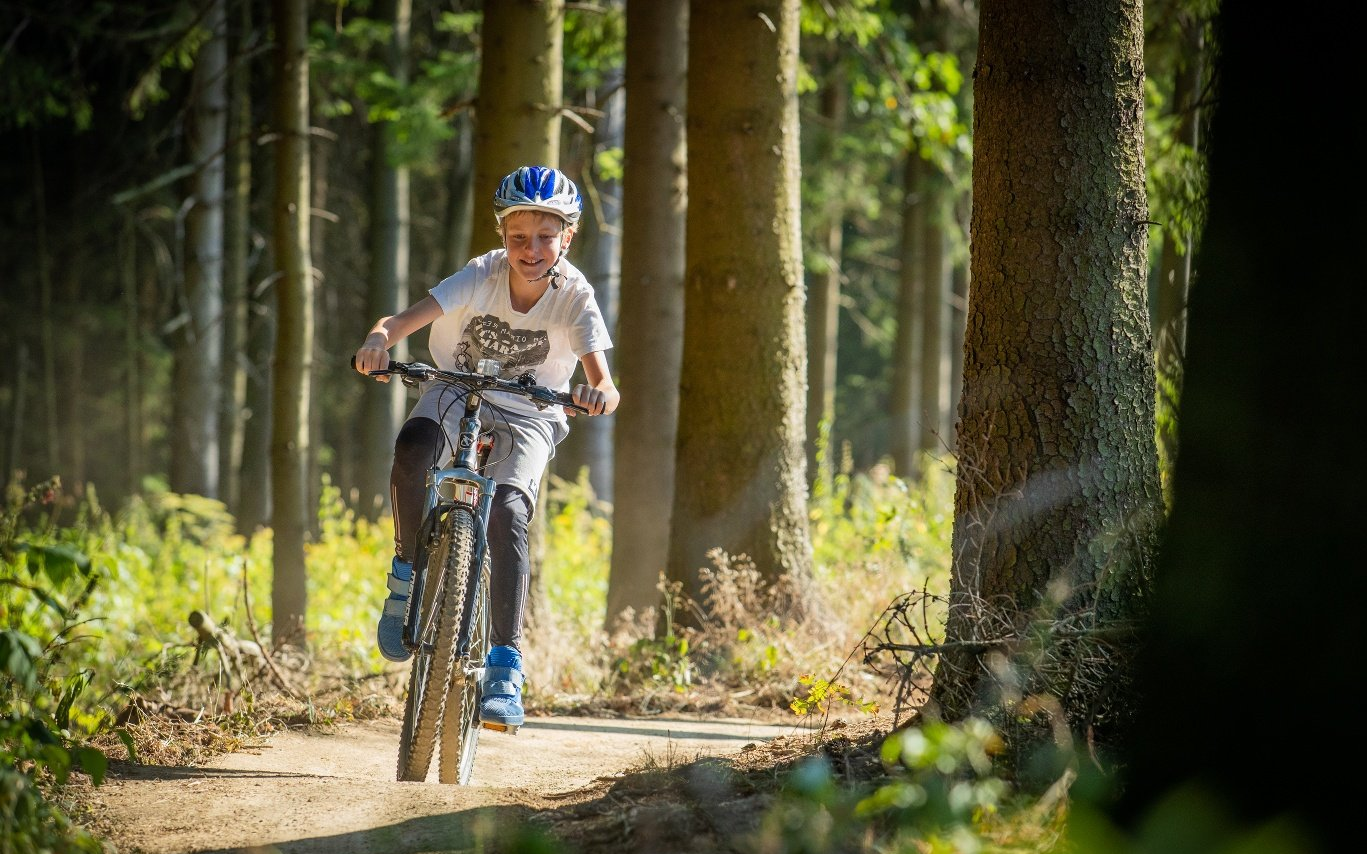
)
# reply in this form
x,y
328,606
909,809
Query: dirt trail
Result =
x,y
334,792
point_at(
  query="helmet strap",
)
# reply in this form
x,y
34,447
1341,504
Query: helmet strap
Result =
x,y
553,272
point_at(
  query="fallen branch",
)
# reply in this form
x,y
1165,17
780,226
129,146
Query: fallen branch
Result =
x,y
279,677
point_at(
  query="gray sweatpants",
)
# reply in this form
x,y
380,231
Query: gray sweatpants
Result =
x,y
523,446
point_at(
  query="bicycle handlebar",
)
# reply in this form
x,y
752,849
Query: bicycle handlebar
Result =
x,y
522,386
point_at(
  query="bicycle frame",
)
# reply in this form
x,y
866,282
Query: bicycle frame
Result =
x,y
459,482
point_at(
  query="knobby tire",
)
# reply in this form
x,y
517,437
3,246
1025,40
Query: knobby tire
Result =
x,y
460,717
433,661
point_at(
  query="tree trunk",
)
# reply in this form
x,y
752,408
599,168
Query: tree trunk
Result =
x,y
517,123
51,391
741,480
598,250
517,120
460,201
199,341
934,314
1057,503
823,307
236,249
958,320
293,364
904,399
385,405
649,340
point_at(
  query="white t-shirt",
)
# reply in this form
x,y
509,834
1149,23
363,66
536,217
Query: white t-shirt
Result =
x,y
478,322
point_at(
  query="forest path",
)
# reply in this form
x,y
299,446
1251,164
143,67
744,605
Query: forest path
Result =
x,y
333,791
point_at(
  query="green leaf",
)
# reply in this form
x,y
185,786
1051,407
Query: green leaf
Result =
x,y
93,762
75,684
19,654
127,738
59,562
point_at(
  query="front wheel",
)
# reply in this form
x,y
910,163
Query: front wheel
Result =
x,y
434,658
460,719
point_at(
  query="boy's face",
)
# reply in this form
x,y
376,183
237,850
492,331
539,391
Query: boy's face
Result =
x,y
534,241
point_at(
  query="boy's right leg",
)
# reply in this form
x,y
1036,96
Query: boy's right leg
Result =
x,y
418,442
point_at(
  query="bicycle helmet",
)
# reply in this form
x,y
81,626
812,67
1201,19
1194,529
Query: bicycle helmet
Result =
x,y
538,188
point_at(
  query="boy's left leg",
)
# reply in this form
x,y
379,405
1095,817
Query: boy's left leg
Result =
x,y
531,443
510,576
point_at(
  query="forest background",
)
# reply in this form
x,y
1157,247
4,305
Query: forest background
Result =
x,y
173,349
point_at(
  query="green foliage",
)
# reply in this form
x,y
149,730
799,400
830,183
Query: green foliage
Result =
x,y
822,693
942,776
595,44
352,68
871,524
939,794
43,584
574,569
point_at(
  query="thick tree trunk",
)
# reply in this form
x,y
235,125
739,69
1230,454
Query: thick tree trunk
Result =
x,y
1263,495
650,332
741,480
293,364
1057,503
517,119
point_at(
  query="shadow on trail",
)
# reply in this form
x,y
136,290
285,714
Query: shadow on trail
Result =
x,y
487,830
685,729
127,771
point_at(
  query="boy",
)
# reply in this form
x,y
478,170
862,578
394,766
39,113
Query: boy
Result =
x,y
530,310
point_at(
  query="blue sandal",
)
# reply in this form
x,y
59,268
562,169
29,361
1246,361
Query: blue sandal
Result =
x,y
389,632
501,690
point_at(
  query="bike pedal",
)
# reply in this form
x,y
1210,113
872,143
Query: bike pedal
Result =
x,y
510,730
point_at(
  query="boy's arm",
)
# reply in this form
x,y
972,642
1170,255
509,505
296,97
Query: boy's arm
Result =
x,y
599,395
388,331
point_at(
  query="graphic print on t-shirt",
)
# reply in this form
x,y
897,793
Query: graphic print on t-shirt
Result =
x,y
517,350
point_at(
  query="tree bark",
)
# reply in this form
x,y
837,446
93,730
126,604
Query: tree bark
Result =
x,y
740,478
385,405
904,404
236,251
517,119
649,347
1057,503
823,306
1262,494
199,341
935,283
293,364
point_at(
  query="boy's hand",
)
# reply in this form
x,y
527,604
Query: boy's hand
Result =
x,y
372,358
588,397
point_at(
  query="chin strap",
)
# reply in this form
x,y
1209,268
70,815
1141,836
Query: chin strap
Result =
x,y
553,273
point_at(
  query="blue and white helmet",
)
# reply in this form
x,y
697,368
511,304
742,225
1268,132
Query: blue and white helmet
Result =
x,y
538,188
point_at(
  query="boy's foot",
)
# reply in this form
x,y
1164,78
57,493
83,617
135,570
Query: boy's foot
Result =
x,y
389,633
500,702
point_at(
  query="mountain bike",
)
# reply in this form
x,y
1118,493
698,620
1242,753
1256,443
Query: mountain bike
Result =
x,y
447,622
